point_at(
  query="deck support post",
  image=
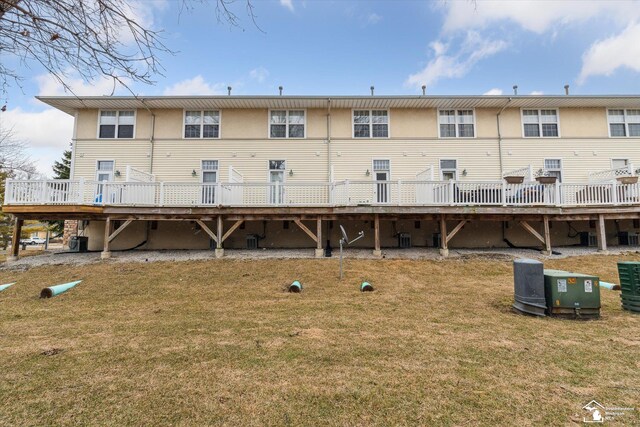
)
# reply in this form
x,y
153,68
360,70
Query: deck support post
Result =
x,y
219,249
547,236
106,253
15,239
319,251
377,252
444,244
601,234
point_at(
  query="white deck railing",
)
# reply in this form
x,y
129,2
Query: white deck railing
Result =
x,y
342,193
609,174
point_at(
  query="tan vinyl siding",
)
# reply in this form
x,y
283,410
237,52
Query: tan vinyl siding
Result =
x,y
124,152
413,145
175,160
579,156
351,158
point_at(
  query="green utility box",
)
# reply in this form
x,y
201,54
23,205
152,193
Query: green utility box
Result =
x,y
629,273
572,295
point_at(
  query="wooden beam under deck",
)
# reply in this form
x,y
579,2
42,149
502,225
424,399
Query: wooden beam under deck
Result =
x,y
354,213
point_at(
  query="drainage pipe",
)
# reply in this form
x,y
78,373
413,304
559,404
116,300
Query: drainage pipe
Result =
x,y
52,291
3,287
366,287
610,286
295,287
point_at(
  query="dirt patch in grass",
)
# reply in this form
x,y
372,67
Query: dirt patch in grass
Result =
x,y
219,343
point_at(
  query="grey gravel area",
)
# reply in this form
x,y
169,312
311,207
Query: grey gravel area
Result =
x,y
59,258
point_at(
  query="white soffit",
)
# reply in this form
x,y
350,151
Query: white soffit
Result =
x,y
70,104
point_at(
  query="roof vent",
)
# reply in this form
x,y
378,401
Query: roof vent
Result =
x,y
229,90
372,89
515,89
280,89
566,89
424,90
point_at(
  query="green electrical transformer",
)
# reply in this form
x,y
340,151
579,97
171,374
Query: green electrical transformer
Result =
x,y
572,295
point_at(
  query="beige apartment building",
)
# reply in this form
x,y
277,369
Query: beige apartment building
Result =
x,y
287,171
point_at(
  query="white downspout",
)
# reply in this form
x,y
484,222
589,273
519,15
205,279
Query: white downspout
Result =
x,y
329,166
500,136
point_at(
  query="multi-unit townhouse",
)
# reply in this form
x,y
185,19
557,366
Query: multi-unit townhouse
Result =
x,y
287,171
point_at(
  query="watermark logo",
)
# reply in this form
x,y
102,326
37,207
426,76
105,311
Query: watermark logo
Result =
x,y
596,412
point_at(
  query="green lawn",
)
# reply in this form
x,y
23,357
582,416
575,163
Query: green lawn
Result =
x,y
220,342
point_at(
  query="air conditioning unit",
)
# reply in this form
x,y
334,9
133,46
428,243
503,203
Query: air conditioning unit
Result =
x,y
626,238
404,240
593,240
78,244
252,241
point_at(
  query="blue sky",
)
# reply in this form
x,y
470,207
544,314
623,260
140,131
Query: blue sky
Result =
x,y
344,47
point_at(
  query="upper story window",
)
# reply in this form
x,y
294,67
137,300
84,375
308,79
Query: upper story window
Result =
x,y
117,124
456,123
540,123
623,123
202,124
370,124
287,124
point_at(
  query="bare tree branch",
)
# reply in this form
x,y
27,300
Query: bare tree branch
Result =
x,y
14,160
90,38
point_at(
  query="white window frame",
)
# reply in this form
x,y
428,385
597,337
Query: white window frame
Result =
x,y
440,170
202,169
626,159
544,166
113,172
625,123
373,170
287,110
115,135
455,115
370,110
539,110
284,177
184,124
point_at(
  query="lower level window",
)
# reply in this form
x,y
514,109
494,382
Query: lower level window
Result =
x,y
448,169
553,167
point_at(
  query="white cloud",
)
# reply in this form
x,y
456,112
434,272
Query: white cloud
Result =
x,y
195,86
604,57
373,18
48,85
534,16
47,133
536,93
494,91
260,74
455,65
287,3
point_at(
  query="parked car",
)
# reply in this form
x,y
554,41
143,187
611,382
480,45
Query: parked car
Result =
x,y
33,241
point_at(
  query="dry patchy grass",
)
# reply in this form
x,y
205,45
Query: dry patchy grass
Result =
x,y
220,342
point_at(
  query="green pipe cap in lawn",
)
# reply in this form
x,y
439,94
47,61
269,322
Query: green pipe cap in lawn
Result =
x,y
366,287
295,287
52,291
3,287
